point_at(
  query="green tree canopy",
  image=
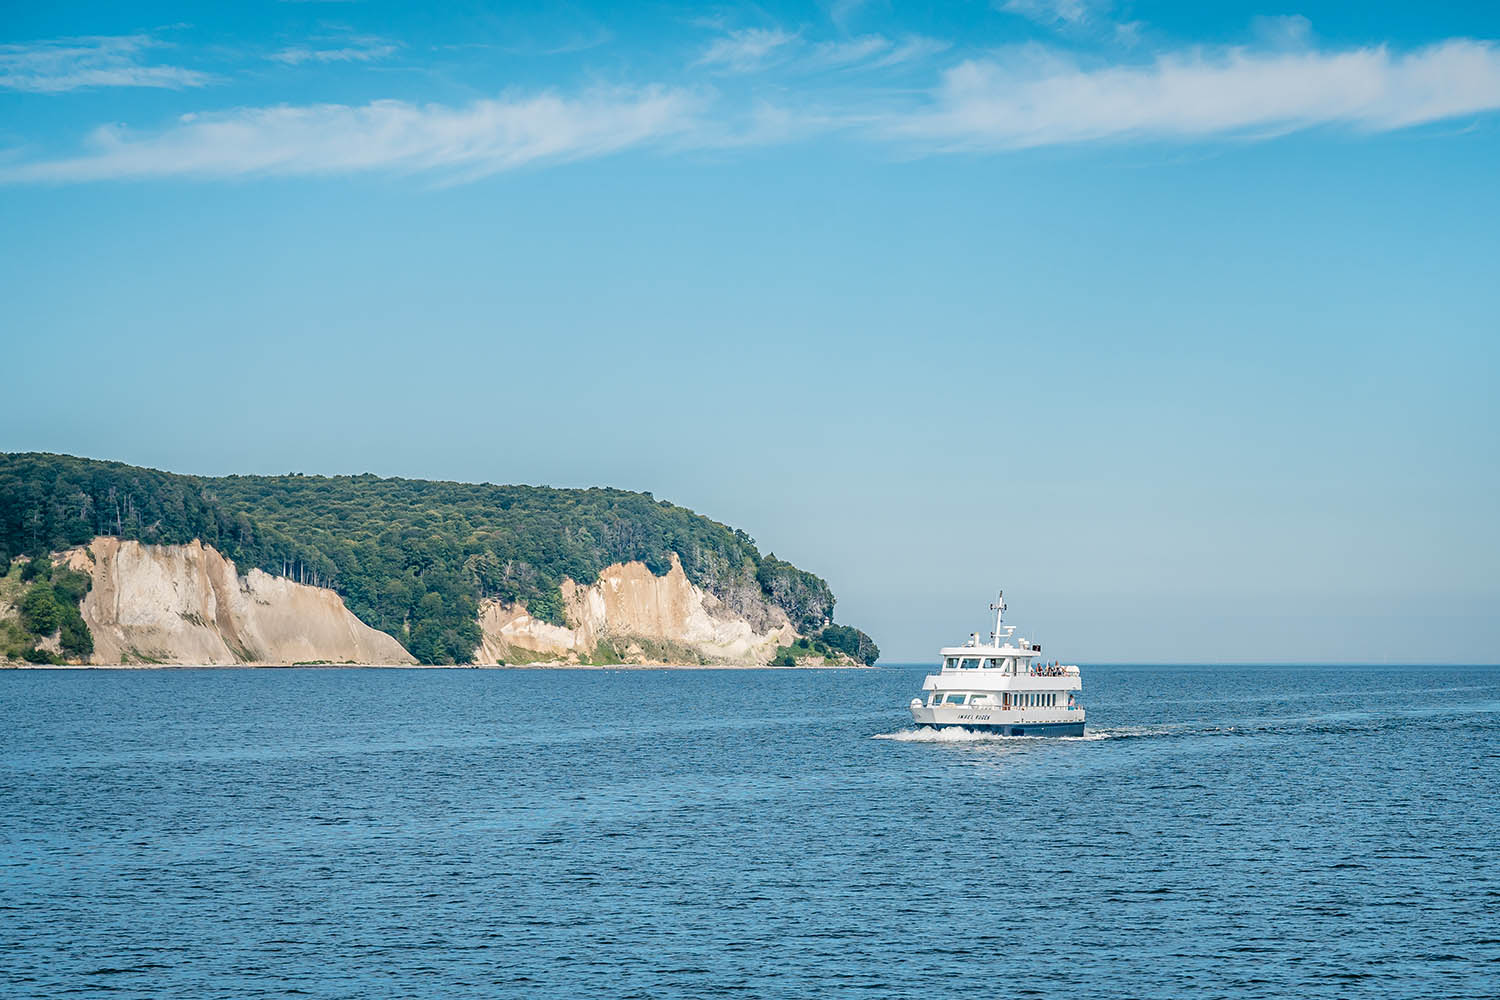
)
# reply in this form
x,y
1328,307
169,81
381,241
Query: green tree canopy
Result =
x,y
40,613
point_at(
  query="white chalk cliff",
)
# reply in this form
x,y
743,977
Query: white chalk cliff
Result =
x,y
631,615
187,604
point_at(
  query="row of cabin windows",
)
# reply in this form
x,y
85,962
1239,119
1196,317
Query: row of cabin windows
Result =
x,y
1018,699
1006,663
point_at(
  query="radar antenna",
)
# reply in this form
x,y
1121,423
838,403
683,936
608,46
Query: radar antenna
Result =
x,y
999,608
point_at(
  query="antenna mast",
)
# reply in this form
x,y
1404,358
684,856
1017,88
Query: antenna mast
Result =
x,y
999,608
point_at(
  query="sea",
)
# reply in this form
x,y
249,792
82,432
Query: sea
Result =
x,y
1221,831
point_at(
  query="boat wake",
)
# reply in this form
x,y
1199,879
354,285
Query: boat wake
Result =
x,y
1337,724
951,734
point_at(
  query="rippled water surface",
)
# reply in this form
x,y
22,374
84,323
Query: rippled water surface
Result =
x,y
1223,832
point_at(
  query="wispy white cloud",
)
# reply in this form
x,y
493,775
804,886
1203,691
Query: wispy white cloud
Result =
x,y
756,49
51,67
1028,97
746,49
1039,98
455,143
911,49
1283,31
1065,12
841,12
357,50
851,50
873,51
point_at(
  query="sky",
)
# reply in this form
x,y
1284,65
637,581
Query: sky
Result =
x,y
1177,321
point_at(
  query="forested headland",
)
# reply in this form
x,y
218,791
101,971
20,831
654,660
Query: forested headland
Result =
x,y
412,558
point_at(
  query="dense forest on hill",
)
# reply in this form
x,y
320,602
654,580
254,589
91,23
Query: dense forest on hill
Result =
x,y
410,557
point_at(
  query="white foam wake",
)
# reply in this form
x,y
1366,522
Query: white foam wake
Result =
x,y
957,734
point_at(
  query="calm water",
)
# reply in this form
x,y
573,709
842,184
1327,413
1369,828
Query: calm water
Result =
x,y
1229,832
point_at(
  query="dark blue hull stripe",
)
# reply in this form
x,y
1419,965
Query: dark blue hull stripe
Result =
x,y
1009,729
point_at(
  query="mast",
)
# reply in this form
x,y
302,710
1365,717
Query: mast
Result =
x,y
999,608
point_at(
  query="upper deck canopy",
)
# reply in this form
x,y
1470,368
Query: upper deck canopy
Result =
x,y
1024,652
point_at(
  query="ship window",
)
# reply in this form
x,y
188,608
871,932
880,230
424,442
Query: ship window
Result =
x,y
992,664
950,663
969,664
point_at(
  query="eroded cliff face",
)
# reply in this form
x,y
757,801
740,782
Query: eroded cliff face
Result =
x,y
187,604
630,615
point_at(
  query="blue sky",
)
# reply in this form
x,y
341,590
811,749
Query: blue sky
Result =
x,y
1178,321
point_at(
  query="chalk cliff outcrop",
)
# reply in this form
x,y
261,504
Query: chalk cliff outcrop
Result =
x,y
187,604
630,615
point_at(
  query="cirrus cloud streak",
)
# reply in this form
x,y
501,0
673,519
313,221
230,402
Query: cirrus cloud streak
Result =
x,y
60,65
462,143
1036,98
1024,98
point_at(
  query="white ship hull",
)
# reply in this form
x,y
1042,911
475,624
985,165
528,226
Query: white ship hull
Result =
x,y
1035,722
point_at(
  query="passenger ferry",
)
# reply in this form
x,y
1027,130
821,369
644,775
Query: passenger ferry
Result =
x,y
1001,687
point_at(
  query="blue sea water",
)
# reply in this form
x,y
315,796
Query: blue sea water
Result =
x,y
1222,832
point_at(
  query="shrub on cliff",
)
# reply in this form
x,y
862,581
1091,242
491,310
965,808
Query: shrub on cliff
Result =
x,y
39,611
70,585
75,637
851,641
51,605
804,597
